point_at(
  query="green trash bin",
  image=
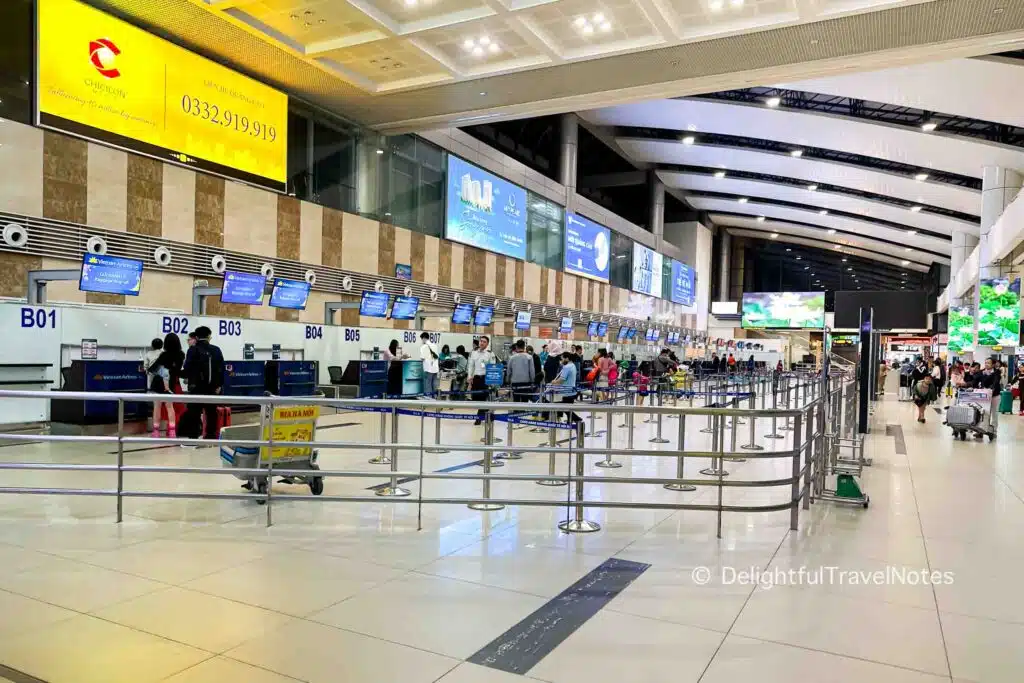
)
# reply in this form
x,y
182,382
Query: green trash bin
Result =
x,y
1006,402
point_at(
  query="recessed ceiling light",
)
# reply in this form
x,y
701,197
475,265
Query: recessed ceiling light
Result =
x,y
823,212
796,153
832,231
742,200
484,40
736,3
808,268
905,263
578,23
588,29
468,44
915,209
798,258
482,93
773,101
716,5
788,249
838,247
850,269
845,260
719,174
689,140
921,177
606,26
760,219
380,151
494,48
911,232
812,188
477,51
598,18
929,127
909,249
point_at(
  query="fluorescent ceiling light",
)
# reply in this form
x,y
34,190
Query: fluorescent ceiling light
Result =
x,y
929,127
921,177
905,263
823,212
911,232
812,188
832,231
742,200
719,174
796,153
760,219
773,101
689,140
915,209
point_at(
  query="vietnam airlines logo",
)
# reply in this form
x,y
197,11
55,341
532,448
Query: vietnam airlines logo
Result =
x,y
103,53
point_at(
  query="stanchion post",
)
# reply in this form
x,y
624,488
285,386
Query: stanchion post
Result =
x,y
120,455
270,463
680,460
552,443
812,445
658,438
717,468
488,463
608,463
794,510
578,524
752,446
393,490
437,435
721,472
382,459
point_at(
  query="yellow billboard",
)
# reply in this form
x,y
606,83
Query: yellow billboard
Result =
x,y
102,78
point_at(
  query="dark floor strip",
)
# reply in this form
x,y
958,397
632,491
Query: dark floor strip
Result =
x,y
521,647
453,468
15,676
938,411
897,431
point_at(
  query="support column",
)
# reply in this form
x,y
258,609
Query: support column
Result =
x,y
724,266
567,168
999,187
963,244
657,219
368,194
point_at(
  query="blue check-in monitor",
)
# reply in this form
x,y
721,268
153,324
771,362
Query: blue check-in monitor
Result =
x,y
110,275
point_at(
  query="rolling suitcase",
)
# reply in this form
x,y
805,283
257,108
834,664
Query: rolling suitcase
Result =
x,y
1006,402
223,420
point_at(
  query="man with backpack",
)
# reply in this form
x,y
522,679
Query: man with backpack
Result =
x,y
204,372
431,366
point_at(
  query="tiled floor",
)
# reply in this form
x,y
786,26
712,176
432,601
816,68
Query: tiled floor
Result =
x,y
202,591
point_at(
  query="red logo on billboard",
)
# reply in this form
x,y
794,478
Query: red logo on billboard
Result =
x,y
102,54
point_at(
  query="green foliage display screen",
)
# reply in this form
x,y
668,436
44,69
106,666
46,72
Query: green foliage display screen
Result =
x,y
999,312
784,310
961,330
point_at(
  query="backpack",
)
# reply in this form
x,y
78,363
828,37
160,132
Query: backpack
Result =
x,y
613,374
201,369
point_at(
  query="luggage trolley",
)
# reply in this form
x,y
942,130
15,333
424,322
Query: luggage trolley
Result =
x,y
290,423
972,412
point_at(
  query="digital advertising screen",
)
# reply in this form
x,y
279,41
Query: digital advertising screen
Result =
x,y
783,310
602,329
657,335
592,328
405,307
484,211
463,314
623,333
682,284
650,334
523,320
632,333
588,247
243,288
566,326
647,266
374,304
483,316
999,312
961,329
107,80
110,275
289,294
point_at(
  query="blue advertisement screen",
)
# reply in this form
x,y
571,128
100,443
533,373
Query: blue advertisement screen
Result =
x,y
243,288
374,304
289,294
592,329
588,248
463,314
523,320
682,283
110,274
566,326
623,333
484,315
405,307
649,336
602,329
485,211
632,333
647,275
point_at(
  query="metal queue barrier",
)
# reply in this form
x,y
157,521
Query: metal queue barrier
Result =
x,y
807,451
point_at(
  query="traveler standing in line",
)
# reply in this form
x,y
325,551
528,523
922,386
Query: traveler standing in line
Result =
x,y
461,359
883,372
543,355
604,368
566,381
204,372
431,365
519,372
481,357
158,378
394,371
1018,379
446,353
172,358
538,369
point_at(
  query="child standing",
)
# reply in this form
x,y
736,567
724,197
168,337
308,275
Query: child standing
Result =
x,y
158,379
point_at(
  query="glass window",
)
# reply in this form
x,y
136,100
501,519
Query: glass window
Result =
x,y
300,173
16,47
666,277
413,185
545,243
334,167
622,261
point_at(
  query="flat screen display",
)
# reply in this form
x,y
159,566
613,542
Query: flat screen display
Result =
x,y
588,247
999,312
104,79
647,267
657,335
243,288
485,211
566,326
602,329
899,310
592,328
374,304
405,307
783,310
523,320
483,316
682,283
463,314
623,333
289,294
961,329
649,335
110,275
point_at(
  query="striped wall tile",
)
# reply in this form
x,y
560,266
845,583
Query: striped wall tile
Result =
x,y
106,187
501,276
311,233
65,178
250,219
360,244
145,196
209,210
490,272
520,279
457,263
543,297
417,256
559,288
386,249
21,169
178,205
431,260
510,277
332,238
444,264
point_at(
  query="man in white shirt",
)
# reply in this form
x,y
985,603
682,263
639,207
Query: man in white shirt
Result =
x,y
431,365
479,359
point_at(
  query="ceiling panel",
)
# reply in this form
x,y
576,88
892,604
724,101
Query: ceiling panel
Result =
x,y
832,201
845,227
742,229
579,29
951,197
990,89
964,156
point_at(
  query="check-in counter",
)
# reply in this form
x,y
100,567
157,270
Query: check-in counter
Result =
x,y
24,377
114,376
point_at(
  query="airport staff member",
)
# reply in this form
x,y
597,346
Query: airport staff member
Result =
x,y
431,366
481,357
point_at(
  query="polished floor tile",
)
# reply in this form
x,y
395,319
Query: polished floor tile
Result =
x,y
983,650
18,613
176,561
93,587
467,672
224,670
